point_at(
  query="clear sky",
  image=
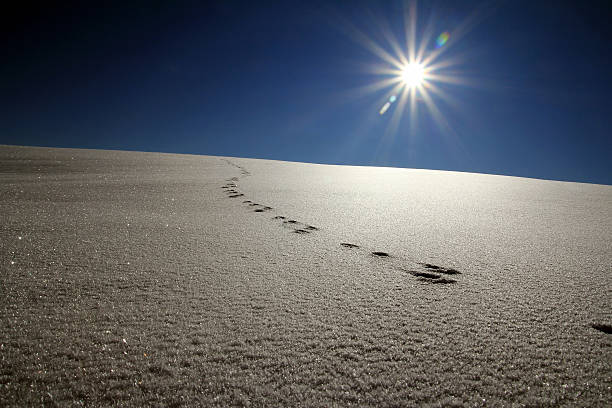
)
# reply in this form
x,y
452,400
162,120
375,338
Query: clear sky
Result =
x,y
521,88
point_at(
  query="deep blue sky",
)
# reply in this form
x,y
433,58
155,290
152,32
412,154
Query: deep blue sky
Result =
x,y
279,80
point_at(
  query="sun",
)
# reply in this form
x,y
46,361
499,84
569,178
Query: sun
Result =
x,y
413,74
417,73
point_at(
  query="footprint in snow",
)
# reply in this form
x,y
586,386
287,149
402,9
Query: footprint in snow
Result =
x,y
347,245
440,269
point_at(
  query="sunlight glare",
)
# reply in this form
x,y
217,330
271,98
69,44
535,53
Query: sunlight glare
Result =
x,y
412,67
413,74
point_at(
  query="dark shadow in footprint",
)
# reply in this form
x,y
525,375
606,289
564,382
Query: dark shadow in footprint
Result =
x,y
605,328
347,245
380,253
253,204
439,269
429,277
247,201
311,228
426,275
438,281
291,222
301,231
279,217
265,208
236,195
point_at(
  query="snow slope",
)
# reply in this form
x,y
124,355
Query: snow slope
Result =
x,y
143,278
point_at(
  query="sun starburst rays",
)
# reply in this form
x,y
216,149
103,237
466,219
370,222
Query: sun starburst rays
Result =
x,y
411,72
410,69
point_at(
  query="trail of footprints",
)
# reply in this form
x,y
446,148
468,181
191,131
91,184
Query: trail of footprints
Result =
x,y
231,189
424,272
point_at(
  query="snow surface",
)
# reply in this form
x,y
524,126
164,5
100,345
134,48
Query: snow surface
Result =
x,y
144,278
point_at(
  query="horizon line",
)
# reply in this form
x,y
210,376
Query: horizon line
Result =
x,y
138,150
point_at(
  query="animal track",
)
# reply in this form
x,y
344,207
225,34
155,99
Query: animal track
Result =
x,y
297,226
432,273
439,269
605,328
347,245
231,189
263,209
429,277
243,171
426,275
438,281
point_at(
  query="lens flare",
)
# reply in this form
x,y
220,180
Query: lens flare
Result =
x,y
442,39
387,105
417,67
384,108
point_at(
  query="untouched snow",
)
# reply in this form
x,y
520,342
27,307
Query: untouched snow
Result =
x,y
142,278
